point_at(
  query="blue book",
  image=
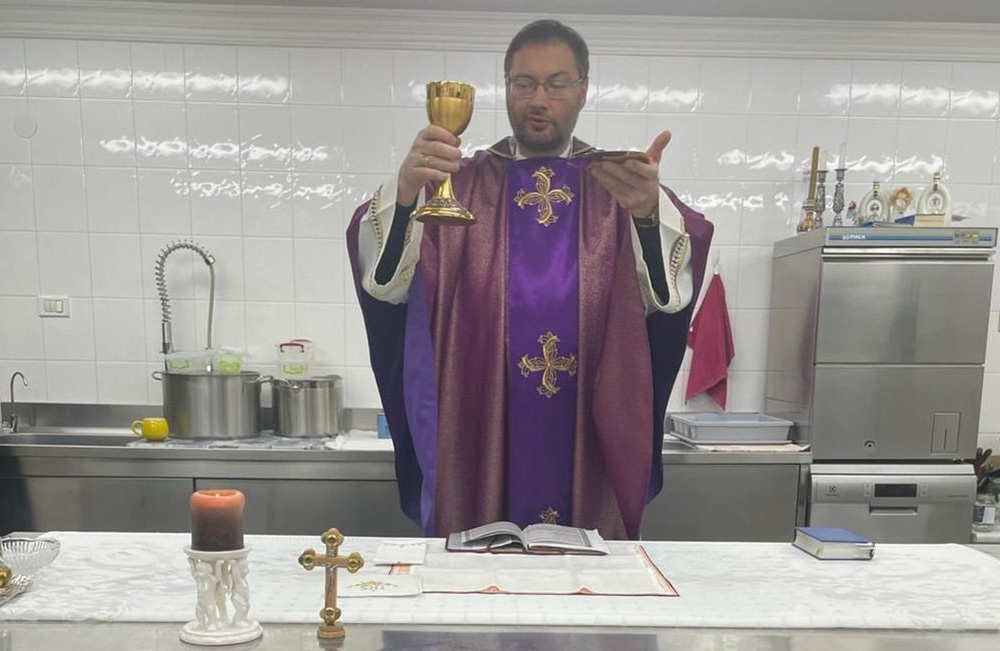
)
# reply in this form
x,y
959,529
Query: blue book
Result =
x,y
833,543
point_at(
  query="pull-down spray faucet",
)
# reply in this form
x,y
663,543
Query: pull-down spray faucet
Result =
x,y
161,289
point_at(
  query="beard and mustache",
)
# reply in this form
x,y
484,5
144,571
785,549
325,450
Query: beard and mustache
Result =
x,y
553,141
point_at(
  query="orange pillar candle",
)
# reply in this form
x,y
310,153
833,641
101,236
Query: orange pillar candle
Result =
x,y
217,520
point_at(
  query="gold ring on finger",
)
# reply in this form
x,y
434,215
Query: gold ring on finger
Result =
x,y
424,160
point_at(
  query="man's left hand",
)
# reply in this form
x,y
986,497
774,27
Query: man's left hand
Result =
x,y
634,183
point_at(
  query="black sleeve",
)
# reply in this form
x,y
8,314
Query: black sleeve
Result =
x,y
389,261
652,253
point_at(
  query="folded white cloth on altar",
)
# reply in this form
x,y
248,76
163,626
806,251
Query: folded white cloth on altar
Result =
x,y
391,552
358,440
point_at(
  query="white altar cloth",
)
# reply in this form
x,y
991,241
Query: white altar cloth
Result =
x,y
144,578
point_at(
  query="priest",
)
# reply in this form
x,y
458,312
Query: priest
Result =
x,y
524,362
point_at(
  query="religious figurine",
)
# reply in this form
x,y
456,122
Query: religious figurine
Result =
x,y
852,214
874,207
900,201
934,205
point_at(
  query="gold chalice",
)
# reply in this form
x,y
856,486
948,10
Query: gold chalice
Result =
x,y
449,105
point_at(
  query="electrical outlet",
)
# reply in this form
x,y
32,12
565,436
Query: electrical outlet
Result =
x,y
53,306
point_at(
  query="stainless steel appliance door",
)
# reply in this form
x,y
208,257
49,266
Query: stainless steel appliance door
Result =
x,y
884,310
906,413
895,503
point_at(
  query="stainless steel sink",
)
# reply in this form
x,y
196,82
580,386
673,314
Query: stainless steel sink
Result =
x,y
85,439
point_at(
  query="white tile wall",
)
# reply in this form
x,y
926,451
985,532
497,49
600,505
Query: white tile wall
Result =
x,y
261,153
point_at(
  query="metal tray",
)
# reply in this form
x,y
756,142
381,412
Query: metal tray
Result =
x,y
690,441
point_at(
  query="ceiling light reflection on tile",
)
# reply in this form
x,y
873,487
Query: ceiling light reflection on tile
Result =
x,y
260,87
781,161
107,81
714,201
687,99
276,190
161,149
984,103
875,93
158,83
123,145
62,78
626,96
928,98
225,84
327,193
839,95
306,154
211,189
731,158
13,79
254,153
755,202
865,164
916,165
216,151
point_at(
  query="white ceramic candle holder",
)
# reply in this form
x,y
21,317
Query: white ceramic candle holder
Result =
x,y
221,580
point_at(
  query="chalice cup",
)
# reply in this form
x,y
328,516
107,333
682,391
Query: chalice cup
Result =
x,y
449,105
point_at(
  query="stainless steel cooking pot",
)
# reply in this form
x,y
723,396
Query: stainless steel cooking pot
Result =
x,y
212,406
307,408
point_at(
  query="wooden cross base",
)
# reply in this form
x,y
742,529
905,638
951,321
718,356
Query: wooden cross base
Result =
x,y
331,561
334,632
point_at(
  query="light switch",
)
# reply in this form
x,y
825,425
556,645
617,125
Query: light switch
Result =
x,y
53,306
944,438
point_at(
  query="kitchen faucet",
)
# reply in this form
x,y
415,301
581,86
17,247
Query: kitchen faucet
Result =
x,y
11,424
161,288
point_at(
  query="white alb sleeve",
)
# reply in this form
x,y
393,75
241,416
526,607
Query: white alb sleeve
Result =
x,y
372,237
675,245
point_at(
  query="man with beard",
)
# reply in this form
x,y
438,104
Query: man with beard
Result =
x,y
524,362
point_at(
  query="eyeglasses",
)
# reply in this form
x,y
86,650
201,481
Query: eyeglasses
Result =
x,y
558,88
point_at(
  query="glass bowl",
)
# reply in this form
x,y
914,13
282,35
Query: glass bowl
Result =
x,y
25,556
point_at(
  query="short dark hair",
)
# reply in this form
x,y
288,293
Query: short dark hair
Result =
x,y
550,31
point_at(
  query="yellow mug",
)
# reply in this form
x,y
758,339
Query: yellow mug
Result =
x,y
151,429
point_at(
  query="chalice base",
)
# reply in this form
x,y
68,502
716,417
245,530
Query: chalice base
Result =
x,y
330,632
444,210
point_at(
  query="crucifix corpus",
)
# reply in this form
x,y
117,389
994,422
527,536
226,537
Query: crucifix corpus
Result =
x,y
331,561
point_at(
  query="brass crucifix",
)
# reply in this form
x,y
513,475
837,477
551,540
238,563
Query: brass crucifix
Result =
x,y
544,196
548,364
330,629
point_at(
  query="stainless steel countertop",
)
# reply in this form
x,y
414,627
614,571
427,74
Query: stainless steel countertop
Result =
x,y
107,443
46,636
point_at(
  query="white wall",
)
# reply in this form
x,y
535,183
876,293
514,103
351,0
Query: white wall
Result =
x,y
261,153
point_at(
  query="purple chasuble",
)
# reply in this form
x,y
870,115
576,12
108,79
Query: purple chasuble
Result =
x,y
479,407
543,289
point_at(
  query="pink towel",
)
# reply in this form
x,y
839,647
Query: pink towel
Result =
x,y
711,342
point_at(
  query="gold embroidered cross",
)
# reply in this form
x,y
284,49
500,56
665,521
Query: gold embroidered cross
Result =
x,y
548,364
549,516
331,561
544,196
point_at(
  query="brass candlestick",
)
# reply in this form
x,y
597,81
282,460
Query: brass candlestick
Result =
x,y
330,629
449,105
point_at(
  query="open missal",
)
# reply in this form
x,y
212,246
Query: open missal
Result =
x,y
507,537
833,543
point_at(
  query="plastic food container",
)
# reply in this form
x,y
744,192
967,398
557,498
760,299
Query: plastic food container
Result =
x,y
730,427
294,357
189,362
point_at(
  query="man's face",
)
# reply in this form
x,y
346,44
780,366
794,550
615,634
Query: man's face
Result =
x,y
542,124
